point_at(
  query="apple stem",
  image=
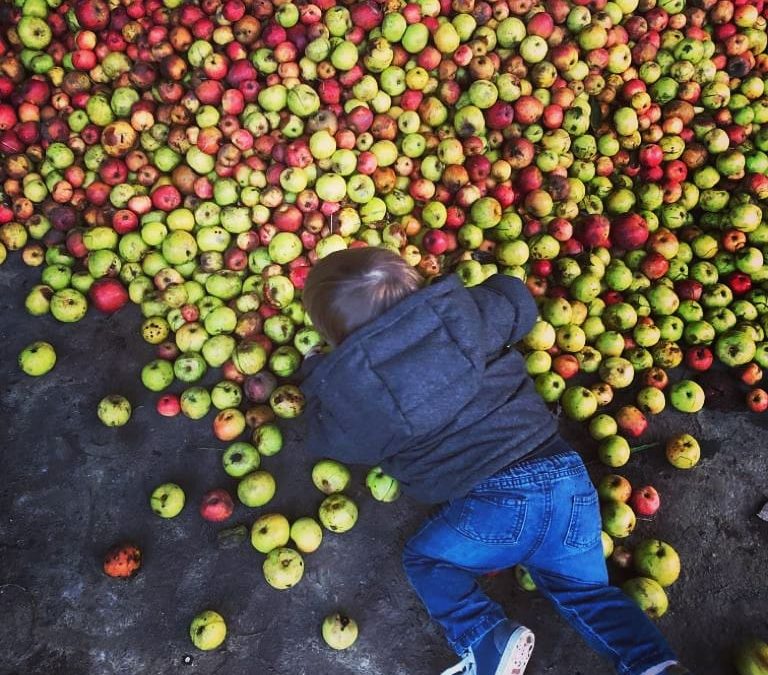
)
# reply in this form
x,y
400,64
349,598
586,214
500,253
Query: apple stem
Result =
x,y
647,446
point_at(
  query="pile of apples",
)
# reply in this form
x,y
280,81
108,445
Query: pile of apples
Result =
x,y
196,158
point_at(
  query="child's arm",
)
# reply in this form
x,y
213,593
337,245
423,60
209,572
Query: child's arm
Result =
x,y
507,305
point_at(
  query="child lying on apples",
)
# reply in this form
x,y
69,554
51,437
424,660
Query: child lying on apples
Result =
x,y
425,383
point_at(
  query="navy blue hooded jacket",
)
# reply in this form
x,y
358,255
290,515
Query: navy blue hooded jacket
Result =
x,y
431,390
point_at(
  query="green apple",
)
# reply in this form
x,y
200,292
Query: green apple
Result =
x,y
657,560
687,396
269,532
226,394
208,630
157,375
579,403
38,300
339,631
651,400
256,488
284,247
338,513
541,337
601,426
307,534
68,305
167,500
683,451
249,358
287,401
751,657
283,568
550,386
607,542
268,439
649,596
614,451
735,348
383,488
34,32
240,458
557,311
524,579
617,371
618,519
189,367
330,476
195,402
114,410
37,358
284,361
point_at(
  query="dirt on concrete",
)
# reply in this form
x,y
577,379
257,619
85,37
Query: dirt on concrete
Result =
x,y
70,488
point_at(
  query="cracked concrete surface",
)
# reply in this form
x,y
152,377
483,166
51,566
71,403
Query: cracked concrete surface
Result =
x,y
70,488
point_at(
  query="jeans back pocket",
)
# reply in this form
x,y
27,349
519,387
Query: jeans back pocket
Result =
x,y
493,518
584,526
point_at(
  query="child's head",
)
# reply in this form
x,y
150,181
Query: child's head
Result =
x,y
350,288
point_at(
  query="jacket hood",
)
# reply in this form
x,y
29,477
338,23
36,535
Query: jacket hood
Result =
x,y
405,374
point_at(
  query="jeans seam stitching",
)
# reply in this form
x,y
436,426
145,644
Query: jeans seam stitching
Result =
x,y
575,615
461,641
544,529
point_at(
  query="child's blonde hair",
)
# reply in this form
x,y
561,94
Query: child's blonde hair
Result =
x,y
349,288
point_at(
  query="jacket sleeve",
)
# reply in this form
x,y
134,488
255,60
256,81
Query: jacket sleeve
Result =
x,y
311,361
507,305
325,438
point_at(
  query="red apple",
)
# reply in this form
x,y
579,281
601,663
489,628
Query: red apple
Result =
x,y
645,501
169,405
631,420
565,365
108,295
629,232
757,400
593,231
216,506
751,374
699,358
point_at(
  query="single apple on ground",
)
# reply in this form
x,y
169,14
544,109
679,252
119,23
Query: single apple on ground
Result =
x,y
216,505
383,488
122,561
330,476
167,500
338,513
208,630
37,358
683,451
339,631
283,568
114,410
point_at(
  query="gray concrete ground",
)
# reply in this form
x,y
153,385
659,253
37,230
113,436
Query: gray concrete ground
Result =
x,y
70,488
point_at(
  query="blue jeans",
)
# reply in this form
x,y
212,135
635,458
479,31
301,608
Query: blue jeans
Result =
x,y
542,513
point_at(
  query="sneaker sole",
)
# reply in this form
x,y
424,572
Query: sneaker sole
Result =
x,y
517,653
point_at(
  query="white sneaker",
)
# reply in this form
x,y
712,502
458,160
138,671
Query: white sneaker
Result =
x,y
505,651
